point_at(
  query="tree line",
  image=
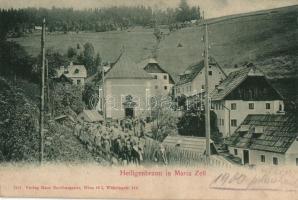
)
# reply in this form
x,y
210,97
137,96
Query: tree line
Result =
x,y
16,22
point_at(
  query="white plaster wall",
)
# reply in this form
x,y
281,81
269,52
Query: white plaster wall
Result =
x,y
160,82
292,154
117,89
242,111
255,158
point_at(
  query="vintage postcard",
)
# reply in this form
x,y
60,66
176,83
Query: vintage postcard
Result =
x,y
149,99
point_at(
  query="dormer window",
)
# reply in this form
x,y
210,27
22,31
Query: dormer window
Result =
x,y
258,131
243,128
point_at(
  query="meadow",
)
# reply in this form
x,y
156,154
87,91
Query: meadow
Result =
x,y
137,42
266,38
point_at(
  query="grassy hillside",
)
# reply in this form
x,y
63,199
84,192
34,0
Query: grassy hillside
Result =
x,y
138,42
257,37
267,38
19,129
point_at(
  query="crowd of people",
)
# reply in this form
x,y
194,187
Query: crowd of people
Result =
x,y
121,142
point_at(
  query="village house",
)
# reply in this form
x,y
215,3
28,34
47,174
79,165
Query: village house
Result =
x,y
77,73
127,89
266,139
243,92
163,82
192,81
64,80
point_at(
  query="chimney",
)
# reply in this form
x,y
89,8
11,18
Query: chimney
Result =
x,y
219,88
244,128
257,131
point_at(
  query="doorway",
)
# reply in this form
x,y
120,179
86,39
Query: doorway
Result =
x,y
245,157
129,112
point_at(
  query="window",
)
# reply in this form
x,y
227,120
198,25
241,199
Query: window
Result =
x,y
165,77
233,106
76,71
267,106
251,106
235,152
166,87
209,66
210,73
203,87
275,161
222,122
262,158
296,161
78,82
155,76
234,122
156,87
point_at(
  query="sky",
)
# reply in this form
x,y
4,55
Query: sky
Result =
x,y
212,8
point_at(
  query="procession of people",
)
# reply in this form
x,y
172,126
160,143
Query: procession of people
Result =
x,y
122,142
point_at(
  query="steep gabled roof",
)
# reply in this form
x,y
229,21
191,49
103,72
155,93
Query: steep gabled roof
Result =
x,y
126,68
151,61
234,80
194,69
72,71
279,132
189,143
63,78
230,83
190,73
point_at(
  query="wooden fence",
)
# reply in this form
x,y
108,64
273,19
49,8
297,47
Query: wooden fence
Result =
x,y
181,157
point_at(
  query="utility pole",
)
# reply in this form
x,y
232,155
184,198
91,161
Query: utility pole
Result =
x,y
42,87
103,96
207,107
47,100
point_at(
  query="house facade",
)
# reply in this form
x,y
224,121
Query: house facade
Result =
x,y
127,90
244,92
163,82
77,73
266,139
192,81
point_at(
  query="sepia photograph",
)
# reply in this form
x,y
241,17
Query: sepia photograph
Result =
x,y
139,99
